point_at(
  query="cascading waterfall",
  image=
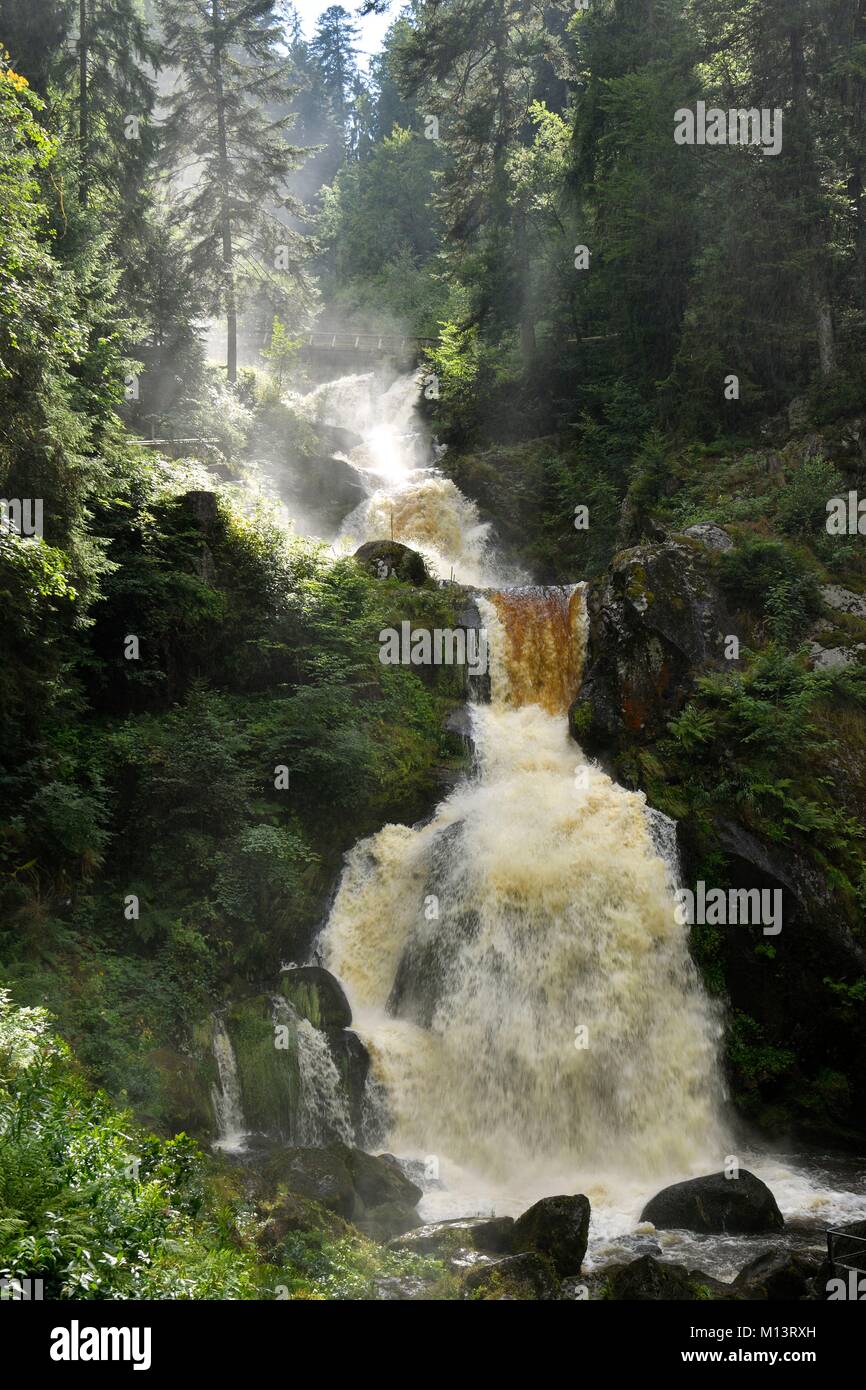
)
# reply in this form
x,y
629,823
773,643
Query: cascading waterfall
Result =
x,y
408,498
536,902
534,905
324,1107
226,1095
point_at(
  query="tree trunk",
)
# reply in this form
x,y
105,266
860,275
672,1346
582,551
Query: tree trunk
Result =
x,y
225,204
83,106
810,193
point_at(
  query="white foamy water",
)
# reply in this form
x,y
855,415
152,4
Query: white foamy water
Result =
x,y
554,913
324,1108
408,499
537,901
226,1095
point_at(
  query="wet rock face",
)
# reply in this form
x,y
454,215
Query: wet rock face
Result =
x,y
655,620
779,1276
490,1235
716,1204
557,1227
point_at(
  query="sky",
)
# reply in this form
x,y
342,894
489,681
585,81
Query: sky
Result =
x,y
371,30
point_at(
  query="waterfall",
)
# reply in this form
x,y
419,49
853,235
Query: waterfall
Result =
x,y
324,1112
515,966
323,1106
226,1095
408,498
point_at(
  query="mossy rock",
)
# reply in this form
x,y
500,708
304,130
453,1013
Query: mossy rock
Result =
x,y
519,1278
317,996
185,1088
269,1076
390,559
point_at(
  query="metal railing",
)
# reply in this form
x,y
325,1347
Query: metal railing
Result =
x,y
385,343
846,1251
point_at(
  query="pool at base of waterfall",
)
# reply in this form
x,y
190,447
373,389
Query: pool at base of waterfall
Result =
x,y
815,1192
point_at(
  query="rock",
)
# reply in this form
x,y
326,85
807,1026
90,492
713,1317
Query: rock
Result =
x,y
321,1175
371,1193
185,1087
316,995
290,1213
491,1235
715,1203
557,1227
710,535
779,1276
391,559
336,439
657,620
834,658
319,490
843,600
527,1278
416,1170
377,1181
650,1280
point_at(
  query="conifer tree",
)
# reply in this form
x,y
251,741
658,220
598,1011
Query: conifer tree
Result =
x,y
228,150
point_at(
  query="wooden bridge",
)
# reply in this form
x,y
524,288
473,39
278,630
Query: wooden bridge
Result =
x,y
365,344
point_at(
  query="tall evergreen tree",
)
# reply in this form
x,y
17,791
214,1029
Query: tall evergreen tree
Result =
x,y
230,155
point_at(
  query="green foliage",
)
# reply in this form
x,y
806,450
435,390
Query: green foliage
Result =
x,y
89,1204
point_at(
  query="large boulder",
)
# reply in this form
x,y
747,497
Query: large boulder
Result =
x,y
525,1278
656,620
490,1235
316,995
715,1203
648,1280
557,1227
368,1191
779,1276
391,560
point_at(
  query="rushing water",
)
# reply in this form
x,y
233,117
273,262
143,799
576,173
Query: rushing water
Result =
x,y
226,1095
534,1019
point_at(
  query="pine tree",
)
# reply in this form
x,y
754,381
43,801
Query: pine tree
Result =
x,y
228,150
333,49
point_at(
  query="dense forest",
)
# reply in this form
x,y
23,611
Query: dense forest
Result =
x,y
637,349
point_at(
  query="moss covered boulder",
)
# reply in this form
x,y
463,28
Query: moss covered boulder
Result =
x,y
648,1280
373,1193
391,560
557,1227
519,1278
316,995
656,620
